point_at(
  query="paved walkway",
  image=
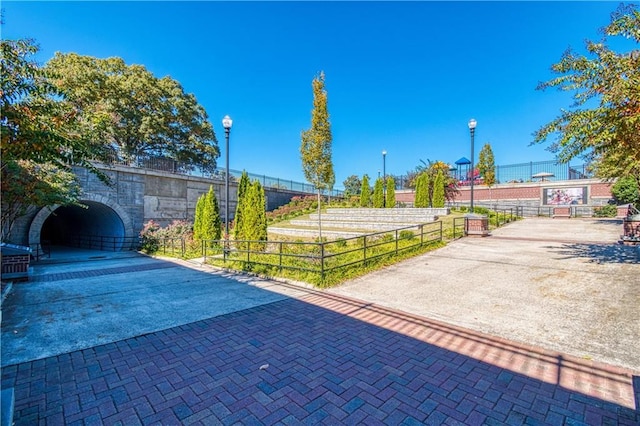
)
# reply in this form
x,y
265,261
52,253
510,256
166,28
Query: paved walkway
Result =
x,y
293,356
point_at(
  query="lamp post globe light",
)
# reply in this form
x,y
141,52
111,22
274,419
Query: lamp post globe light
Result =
x,y
472,129
226,123
384,178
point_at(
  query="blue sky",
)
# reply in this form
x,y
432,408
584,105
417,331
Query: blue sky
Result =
x,y
404,77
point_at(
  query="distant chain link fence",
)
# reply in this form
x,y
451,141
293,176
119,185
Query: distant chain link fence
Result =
x,y
512,173
169,165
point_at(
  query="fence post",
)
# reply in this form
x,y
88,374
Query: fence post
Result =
x,y
422,235
280,250
364,250
203,250
396,242
441,231
321,262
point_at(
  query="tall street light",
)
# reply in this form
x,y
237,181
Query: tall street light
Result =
x,y
384,178
472,129
226,123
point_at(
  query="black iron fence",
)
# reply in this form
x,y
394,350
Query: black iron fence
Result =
x,y
319,259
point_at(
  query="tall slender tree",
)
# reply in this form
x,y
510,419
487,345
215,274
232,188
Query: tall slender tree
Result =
x,y
422,191
254,220
487,165
378,194
315,148
391,192
438,198
240,206
209,223
365,192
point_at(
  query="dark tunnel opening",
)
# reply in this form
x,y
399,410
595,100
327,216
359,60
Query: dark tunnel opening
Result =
x,y
95,226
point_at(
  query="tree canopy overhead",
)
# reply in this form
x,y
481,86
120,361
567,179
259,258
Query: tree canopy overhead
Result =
x,y
603,124
133,112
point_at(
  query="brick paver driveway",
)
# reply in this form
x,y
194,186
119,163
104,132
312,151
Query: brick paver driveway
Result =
x,y
317,359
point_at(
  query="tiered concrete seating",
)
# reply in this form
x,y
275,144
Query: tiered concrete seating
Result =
x,y
351,222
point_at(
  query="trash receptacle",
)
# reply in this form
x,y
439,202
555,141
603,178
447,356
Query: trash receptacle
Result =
x,y
15,262
476,225
631,229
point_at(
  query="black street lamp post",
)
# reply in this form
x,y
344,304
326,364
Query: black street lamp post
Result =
x,y
472,129
384,178
226,123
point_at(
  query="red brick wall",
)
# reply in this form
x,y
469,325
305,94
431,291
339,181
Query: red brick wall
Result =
x,y
521,191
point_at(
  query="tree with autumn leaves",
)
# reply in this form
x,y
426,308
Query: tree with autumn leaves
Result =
x,y
603,124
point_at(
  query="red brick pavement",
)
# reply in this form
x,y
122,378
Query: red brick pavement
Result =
x,y
323,359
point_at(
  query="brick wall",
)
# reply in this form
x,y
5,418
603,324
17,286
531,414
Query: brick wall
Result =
x,y
527,193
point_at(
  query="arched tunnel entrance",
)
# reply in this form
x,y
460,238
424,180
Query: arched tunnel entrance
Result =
x,y
91,226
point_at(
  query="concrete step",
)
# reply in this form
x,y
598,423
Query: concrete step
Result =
x,y
410,211
353,224
397,220
311,233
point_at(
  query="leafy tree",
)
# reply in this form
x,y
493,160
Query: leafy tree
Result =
x,y
315,148
207,223
390,201
133,112
603,124
438,190
365,192
378,194
41,137
626,190
431,168
352,185
487,165
422,191
241,203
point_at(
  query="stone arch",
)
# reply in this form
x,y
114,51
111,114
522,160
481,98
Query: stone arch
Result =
x,y
103,208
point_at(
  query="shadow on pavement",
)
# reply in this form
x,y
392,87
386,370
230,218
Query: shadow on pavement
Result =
x,y
600,253
318,359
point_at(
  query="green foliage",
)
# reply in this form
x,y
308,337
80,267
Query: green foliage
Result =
x,y
390,201
605,211
626,190
352,186
153,236
603,124
378,194
42,137
131,110
487,165
365,192
407,235
254,218
207,223
422,191
26,183
243,185
315,148
438,190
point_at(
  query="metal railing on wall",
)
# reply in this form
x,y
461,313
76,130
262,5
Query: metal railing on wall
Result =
x,y
168,165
